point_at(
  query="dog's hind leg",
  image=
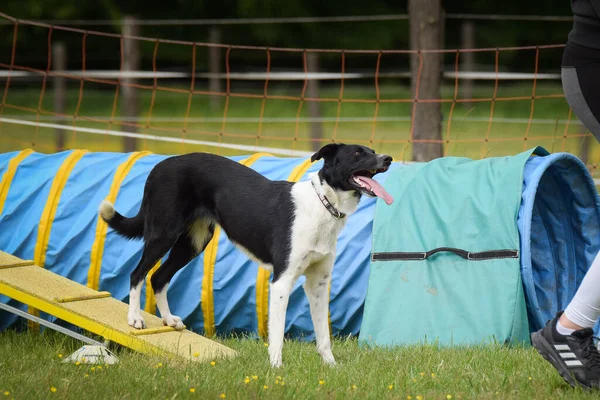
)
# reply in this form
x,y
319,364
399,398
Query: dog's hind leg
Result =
x,y
188,245
318,277
155,248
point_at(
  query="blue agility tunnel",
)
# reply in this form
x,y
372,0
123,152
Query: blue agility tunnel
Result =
x,y
48,213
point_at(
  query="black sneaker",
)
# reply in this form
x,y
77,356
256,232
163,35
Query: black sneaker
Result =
x,y
574,356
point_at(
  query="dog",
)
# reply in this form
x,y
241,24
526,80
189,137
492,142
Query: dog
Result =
x,y
289,228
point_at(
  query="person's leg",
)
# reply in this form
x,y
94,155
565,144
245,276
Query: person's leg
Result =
x,y
580,78
584,309
581,86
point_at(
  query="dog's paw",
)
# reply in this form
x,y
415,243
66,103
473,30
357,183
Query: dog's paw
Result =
x,y
136,321
330,363
328,358
174,321
275,358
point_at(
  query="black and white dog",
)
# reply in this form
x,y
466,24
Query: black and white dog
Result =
x,y
289,228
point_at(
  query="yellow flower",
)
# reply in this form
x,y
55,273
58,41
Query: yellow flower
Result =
x,y
266,344
432,375
353,387
530,378
247,380
77,363
408,397
282,383
321,382
196,354
255,377
6,393
448,396
86,375
53,389
390,387
422,373
83,359
277,381
192,390
265,387
419,397
99,366
222,395
93,368
60,356
280,378
212,363
159,365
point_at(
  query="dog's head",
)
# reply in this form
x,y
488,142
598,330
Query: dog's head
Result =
x,y
351,167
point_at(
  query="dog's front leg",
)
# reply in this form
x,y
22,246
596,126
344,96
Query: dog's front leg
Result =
x,y
280,294
318,277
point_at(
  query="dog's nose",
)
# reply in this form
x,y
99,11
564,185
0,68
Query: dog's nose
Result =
x,y
386,159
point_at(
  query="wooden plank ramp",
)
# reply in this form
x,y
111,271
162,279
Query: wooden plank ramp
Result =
x,y
99,313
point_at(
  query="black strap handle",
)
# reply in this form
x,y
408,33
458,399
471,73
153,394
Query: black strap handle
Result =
x,y
479,256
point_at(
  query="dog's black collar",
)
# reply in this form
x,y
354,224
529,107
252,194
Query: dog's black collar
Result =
x,y
332,210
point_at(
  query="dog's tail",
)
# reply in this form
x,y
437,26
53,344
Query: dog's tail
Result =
x,y
131,228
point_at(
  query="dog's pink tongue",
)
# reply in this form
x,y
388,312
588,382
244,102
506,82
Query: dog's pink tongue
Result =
x,y
377,189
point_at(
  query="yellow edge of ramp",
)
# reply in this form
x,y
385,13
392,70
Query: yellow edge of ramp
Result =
x,y
210,258
104,316
263,275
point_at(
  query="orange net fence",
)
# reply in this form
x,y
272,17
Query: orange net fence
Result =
x,y
263,98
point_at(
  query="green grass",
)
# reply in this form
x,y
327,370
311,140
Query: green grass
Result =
x,y
31,364
99,103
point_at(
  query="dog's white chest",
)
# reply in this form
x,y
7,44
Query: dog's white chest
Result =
x,y
315,230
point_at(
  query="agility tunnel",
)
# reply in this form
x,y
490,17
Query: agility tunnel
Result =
x,y
479,251
545,207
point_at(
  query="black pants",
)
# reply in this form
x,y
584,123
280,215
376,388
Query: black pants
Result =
x,y
580,74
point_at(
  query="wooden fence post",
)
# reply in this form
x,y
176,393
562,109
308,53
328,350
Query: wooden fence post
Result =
x,y
467,58
131,63
314,111
426,24
214,66
59,65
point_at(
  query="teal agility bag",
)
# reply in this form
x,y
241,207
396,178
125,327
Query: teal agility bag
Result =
x,y
445,258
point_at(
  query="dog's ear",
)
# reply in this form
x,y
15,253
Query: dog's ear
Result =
x,y
326,152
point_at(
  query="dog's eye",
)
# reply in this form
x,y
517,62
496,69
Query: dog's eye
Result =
x,y
357,153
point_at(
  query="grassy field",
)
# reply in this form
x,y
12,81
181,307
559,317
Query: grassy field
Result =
x,y
31,367
168,109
